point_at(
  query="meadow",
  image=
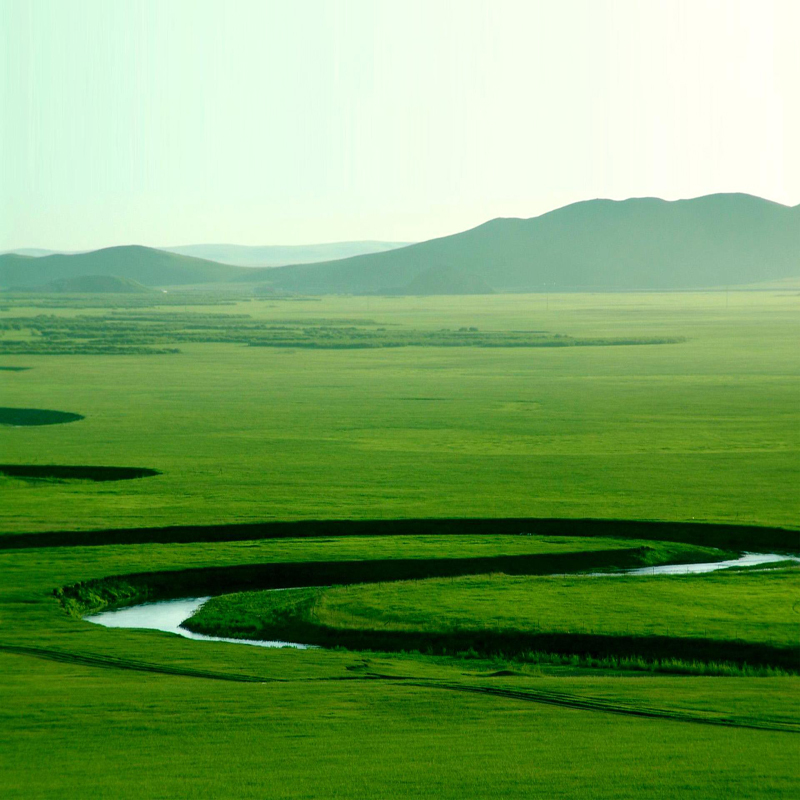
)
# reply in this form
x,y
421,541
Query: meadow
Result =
x,y
707,429
290,466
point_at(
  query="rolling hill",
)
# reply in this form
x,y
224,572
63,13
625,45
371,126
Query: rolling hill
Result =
x,y
279,255
597,245
142,264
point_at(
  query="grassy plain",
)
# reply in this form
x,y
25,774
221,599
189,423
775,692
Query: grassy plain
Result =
x,y
135,736
138,713
706,429
753,607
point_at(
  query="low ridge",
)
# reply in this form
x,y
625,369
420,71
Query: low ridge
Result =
x,y
146,265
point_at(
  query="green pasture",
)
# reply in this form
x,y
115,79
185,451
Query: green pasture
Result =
x,y
707,429
69,730
140,713
755,607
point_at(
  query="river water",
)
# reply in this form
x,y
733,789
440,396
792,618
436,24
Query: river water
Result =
x,y
745,560
169,614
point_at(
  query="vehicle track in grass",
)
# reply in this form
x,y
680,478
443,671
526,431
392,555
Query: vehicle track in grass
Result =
x,y
537,696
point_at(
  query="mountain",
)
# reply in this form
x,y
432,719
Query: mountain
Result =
x,y
278,255
444,279
94,284
142,264
596,245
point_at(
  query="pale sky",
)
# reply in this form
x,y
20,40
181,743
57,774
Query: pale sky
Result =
x,y
184,121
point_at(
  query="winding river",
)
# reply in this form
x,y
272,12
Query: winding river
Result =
x,y
168,615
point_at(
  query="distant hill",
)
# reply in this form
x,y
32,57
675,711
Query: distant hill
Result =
x,y
597,245
444,279
279,255
142,264
95,284
36,252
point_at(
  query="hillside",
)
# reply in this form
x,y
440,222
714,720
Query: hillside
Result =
x,y
597,245
444,279
95,284
142,264
279,255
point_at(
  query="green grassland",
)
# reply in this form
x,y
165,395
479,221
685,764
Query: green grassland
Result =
x,y
748,606
140,713
705,429
134,736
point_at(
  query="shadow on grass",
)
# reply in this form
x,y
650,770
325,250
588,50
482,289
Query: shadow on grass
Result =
x,y
732,537
20,417
58,472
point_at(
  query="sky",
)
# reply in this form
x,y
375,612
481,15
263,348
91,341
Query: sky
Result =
x,y
257,122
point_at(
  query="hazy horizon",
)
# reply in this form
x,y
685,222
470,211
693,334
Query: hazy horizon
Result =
x,y
301,245
253,123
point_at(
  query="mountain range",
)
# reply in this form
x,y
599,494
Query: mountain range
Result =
x,y
596,245
243,255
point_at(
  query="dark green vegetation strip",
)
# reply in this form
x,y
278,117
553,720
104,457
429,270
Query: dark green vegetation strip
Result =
x,y
36,416
142,333
91,595
741,537
14,369
60,472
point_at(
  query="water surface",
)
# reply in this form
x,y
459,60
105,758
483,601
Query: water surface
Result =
x,y
745,560
168,616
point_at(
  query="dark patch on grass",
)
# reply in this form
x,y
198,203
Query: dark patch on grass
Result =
x,y
81,598
511,645
36,416
58,472
14,369
731,537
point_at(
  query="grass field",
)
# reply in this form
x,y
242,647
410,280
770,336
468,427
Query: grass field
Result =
x,y
81,696
706,429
